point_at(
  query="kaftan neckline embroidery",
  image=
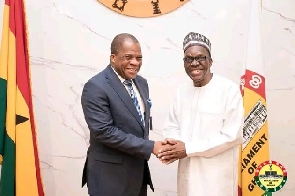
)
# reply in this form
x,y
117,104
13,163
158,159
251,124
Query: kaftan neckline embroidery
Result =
x,y
194,109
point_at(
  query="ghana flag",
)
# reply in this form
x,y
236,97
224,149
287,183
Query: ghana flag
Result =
x,y
255,147
20,173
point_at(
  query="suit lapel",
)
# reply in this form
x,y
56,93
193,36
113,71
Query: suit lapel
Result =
x,y
116,84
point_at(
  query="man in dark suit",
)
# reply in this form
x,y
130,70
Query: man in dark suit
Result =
x,y
116,107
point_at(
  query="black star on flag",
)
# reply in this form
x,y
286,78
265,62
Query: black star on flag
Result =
x,y
20,119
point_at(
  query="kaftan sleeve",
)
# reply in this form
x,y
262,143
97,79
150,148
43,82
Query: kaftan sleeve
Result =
x,y
171,127
229,136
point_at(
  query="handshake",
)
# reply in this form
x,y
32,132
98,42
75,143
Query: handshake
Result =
x,y
169,150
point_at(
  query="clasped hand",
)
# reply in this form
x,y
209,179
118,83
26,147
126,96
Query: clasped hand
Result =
x,y
169,150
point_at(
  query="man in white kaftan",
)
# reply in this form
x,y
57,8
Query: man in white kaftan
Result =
x,y
205,123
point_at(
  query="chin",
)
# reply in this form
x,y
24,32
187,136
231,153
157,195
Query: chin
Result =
x,y
197,79
130,77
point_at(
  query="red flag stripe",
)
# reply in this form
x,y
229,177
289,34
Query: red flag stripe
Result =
x,y
240,191
7,2
255,82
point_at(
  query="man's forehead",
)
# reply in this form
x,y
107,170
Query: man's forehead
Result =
x,y
126,46
196,49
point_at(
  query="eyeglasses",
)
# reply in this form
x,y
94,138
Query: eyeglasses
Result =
x,y
190,59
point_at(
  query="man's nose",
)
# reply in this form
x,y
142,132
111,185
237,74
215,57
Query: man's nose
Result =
x,y
195,63
134,61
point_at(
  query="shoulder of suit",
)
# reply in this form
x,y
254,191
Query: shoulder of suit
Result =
x,y
140,78
97,79
97,76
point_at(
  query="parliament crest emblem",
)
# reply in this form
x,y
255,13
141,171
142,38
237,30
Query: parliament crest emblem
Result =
x,y
271,176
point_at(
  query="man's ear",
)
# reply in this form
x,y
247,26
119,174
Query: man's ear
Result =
x,y
211,61
112,58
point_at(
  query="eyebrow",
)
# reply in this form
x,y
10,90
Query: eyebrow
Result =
x,y
133,55
195,55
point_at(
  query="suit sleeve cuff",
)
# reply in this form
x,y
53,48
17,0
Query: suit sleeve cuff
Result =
x,y
149,149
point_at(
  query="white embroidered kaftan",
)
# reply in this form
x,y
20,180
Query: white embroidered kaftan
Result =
x,y
209,121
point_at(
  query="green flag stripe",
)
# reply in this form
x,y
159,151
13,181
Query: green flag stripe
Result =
x,y
7,148
3,98
7,185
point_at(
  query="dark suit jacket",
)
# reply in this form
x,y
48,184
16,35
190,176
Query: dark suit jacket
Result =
x,y
116,163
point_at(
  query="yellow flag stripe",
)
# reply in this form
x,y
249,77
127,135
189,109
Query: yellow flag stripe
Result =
x,y
25,161
257,149
11,88
3,58
4,44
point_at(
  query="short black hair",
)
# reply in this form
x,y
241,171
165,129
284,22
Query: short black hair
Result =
x,y
119,40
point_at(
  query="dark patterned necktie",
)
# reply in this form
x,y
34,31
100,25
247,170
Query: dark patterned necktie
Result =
x,y
128,83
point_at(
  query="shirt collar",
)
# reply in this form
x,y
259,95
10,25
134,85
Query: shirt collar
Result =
x,y
120,78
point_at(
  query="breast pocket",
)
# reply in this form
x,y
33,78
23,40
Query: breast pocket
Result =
x,y
211,118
